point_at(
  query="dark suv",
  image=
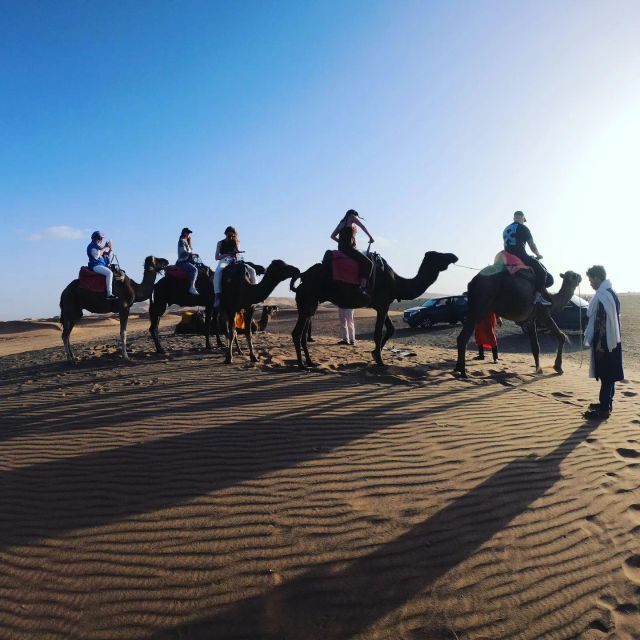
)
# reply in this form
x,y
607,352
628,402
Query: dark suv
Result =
x,y
451,309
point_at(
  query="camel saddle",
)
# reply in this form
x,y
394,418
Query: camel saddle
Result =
x,y
237,270
341,267
514,266
174,271
89,280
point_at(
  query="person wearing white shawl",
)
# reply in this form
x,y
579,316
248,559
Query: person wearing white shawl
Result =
x,y
603,336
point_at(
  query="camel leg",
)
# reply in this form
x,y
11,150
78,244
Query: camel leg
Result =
x,y
390,330
67,326
124,319
299,335
535,344
231,336
236,343
216,319
156,309
561,337
463,338
208,311
377,337
248,316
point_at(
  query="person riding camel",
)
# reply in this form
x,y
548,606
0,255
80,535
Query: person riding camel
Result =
x,y
185,259
100,258
227,251
345,235
516,236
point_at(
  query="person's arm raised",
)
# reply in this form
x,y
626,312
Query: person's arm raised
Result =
x,y
357,221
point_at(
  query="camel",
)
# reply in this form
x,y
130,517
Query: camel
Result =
x,y
239,294
317,286
511,297
194,323
74,299
171,290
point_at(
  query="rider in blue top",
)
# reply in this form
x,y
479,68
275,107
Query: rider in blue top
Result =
x,y
516,236
99,260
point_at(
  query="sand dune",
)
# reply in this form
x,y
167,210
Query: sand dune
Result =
x,y
175,497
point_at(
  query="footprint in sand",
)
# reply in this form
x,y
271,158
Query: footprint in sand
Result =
x,y
631,568
625,453
634,512
629,394
562,394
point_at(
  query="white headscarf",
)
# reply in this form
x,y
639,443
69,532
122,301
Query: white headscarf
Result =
x,y
612,325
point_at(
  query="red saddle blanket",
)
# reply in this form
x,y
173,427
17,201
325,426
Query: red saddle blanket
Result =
x,y
176,272
91,281
344,268
511,263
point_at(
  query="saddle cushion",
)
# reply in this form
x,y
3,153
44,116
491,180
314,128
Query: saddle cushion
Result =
x,y
344,268
176,272
511,263
91,281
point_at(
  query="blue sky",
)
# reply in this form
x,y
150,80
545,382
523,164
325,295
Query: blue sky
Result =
x,y
435,120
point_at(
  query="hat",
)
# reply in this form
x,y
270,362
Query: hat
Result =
x,y
97,234
185,230
519,213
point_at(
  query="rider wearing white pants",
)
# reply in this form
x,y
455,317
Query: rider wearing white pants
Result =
x,y
226,254
99,260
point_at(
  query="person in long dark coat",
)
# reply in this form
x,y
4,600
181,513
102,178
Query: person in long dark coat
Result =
x,y
604,337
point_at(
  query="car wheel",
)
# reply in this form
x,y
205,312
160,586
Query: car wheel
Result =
x,y
427,323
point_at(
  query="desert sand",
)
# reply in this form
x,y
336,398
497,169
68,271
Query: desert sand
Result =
x,y
176,497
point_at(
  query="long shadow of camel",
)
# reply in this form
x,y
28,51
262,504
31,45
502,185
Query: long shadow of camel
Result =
x,y
335,604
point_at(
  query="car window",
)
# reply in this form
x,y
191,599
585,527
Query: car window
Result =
x,y
461,300
429,303
441,302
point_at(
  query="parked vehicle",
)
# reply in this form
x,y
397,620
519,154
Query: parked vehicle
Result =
x,y
451,309
572,317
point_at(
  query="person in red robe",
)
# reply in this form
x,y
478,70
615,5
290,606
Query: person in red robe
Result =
x,y
485,335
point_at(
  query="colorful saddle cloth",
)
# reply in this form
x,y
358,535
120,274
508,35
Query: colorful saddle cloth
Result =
x,y
174,271
505,261
91,281
342,267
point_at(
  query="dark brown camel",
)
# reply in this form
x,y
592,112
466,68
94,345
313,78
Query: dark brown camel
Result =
x,y
171,290
317,286
74,299
239,294
511,297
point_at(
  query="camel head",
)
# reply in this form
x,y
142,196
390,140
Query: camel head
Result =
x,y
439,261
154,264
280,270
570,280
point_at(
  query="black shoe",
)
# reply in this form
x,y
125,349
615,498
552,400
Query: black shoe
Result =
x,y
597,414
596,406
111,297
342,342
479,358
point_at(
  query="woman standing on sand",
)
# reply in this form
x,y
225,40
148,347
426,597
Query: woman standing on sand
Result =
x,y
345,235
485,335
603,336
185,258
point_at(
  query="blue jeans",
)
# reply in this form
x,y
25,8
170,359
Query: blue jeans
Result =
x,y
191,269
607,391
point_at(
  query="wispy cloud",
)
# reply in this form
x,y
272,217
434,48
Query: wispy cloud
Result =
x,y
58,232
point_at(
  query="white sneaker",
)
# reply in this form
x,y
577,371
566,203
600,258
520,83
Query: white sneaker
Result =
x,y
540,300
193,291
